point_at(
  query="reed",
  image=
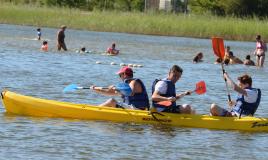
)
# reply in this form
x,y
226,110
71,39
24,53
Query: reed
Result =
x,y
199,26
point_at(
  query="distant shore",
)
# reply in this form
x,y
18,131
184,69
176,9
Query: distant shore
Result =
x,y
135,22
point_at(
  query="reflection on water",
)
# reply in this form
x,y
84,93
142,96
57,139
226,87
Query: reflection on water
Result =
x,y
27,70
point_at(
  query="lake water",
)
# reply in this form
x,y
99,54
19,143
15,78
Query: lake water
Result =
x,y
27,70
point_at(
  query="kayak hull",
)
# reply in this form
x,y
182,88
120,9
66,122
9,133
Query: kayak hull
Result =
x,y
29,106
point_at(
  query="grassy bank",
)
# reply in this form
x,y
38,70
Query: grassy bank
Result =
x,y
142,23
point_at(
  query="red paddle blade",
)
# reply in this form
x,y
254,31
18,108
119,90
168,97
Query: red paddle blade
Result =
x,y
218,47
200,87
165,103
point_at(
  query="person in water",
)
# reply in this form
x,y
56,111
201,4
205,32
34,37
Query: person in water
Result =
x,y
44,46
198,58
137,100
112,50
60,38
248,61
260,51
233,59
247,102
164,90
38,33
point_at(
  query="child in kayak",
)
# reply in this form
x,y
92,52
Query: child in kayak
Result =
x,y
247,102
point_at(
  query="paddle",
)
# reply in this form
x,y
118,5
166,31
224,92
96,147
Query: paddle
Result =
x,y
200,88
123,88
218,48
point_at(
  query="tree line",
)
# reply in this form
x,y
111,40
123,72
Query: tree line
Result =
x,y
237,8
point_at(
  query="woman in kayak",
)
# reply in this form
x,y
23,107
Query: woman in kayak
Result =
x,y
247,102
138,98
260,51
164,90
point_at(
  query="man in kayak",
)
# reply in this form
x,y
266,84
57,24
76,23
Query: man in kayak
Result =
x,y
138,98
247,102
60,38
164,90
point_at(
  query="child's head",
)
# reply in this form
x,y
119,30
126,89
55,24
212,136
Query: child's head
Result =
x,y
44,42
38,29
248,57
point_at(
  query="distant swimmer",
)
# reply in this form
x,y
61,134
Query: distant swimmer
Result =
x,y
44,46
38,33
60,39
234,59
260,50
82,50
198,58
248,61
112,50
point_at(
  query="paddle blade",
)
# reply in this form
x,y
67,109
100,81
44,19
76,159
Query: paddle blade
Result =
x,y
124,89
200,87
218,47
165,103
71,87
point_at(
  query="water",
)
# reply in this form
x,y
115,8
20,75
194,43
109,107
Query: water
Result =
x,y
27,70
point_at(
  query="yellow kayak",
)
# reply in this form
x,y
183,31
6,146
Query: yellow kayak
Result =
x,y
29,106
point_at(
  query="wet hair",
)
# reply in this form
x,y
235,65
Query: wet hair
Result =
x,y
83,49
248,57
176,68
38,29
245,79
231,54
219,60
258,37
226,61
44,42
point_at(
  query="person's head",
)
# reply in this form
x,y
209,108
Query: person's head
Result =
x,y
44,42
83,49
228,48
113,45
63,27
38,29
219,60
248,57
200,55
226,61
231,54
258,37
125,72
175,73
245,81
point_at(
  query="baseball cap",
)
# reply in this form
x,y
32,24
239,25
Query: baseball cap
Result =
x,y
126,70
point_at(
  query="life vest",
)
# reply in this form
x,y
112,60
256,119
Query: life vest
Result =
x,y
247,108
138,100
171,92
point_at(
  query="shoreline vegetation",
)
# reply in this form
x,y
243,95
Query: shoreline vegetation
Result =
x,y
149,23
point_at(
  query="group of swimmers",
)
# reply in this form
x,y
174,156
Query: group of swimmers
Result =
x,y
229,57
61,43
164,90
